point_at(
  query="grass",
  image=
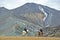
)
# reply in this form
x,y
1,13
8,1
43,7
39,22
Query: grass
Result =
x,y
29,38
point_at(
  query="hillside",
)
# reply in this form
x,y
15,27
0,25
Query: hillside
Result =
x,y
31,15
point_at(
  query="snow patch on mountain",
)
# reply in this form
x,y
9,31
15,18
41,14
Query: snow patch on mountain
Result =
x,y
43,12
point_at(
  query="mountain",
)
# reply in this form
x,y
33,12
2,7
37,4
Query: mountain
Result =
x,y
31,15
38,14
29,12
4,14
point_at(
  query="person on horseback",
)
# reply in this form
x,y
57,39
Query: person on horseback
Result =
x,y
25,31
40,32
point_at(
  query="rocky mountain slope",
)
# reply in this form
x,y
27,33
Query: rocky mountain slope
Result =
x,y
31,15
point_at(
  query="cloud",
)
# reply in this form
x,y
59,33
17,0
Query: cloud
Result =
x,y
54,4
16,3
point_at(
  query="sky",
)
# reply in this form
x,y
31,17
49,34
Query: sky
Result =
x,y
11,4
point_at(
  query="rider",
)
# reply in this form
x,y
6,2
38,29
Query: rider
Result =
x,y
25,31
40,33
